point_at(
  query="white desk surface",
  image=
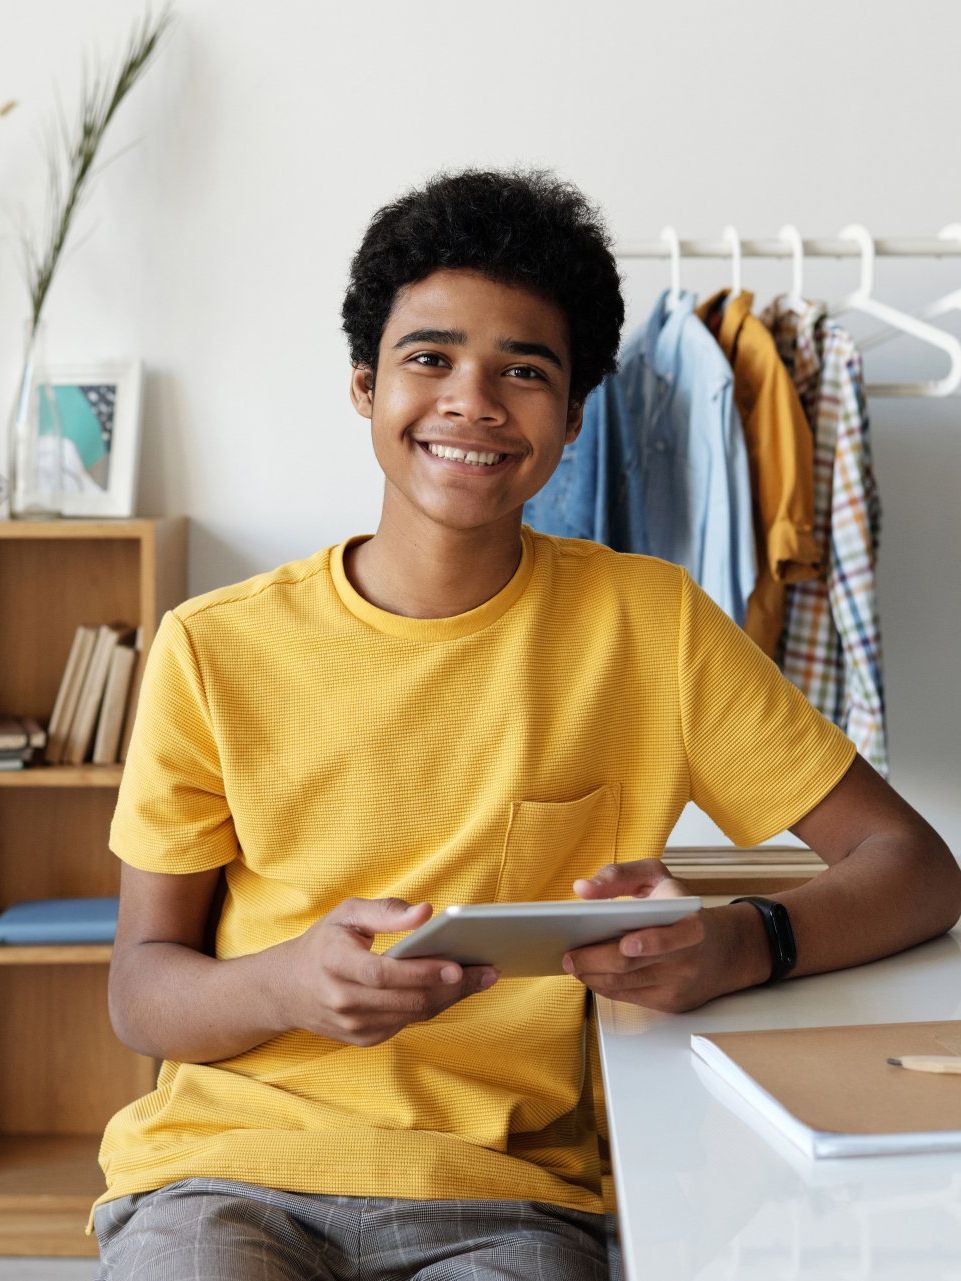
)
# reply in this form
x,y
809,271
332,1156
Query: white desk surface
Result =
x,y
707,1190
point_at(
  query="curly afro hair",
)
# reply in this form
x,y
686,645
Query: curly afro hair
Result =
x,y
519,228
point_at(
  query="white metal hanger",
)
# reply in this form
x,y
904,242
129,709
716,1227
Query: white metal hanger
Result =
x,y
863,301
729,236
669,235
792,236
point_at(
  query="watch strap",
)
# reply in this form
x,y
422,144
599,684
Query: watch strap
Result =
x,y
780,935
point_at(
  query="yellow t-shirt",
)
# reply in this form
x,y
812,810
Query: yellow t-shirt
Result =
x,y
317,747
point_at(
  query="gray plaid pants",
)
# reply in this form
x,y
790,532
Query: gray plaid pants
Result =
x,y
221,1230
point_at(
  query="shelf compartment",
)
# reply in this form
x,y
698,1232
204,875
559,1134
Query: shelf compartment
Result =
x,y
63,1070
48,1183
53,844
55,575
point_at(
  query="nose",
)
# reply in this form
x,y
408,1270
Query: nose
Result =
x,y
472,396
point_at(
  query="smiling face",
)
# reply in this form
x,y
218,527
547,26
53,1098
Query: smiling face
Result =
x,y
470,413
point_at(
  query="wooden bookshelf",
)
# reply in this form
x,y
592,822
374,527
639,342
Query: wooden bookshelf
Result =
x,y
63,1073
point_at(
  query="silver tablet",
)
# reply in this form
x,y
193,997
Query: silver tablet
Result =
x,y
525,940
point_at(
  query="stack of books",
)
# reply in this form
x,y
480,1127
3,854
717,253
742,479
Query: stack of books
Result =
x,y
93,712
22,740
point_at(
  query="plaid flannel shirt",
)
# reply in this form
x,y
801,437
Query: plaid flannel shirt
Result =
x,y
831,643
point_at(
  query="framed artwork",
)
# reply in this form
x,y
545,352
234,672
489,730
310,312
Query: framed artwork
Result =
x,y
99,410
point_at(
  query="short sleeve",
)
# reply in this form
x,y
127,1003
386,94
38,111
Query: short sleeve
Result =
x,y
760,755
172,813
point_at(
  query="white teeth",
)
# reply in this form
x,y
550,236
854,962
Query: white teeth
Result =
x,y
465,456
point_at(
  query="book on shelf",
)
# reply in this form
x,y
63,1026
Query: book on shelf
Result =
x,y
106,743
81,732
60,920
21,740
20,733
130,711
65,704
832,1092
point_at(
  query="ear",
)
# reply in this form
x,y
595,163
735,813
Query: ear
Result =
x,y
362,390
575,419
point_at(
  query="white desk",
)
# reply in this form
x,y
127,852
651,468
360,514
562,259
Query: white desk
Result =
x,y
708,1192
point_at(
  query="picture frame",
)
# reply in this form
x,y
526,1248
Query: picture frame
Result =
x,y
100,413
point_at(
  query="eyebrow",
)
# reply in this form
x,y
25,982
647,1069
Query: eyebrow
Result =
x,y
457,338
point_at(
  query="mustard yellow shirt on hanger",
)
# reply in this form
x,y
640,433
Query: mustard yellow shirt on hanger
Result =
x,y
780,451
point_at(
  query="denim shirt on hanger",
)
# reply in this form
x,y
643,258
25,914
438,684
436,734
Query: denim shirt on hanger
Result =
x,y
660,466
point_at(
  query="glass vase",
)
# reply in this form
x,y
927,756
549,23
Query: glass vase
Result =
x,y
35,439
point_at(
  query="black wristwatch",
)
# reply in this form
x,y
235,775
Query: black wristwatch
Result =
x,y
780,936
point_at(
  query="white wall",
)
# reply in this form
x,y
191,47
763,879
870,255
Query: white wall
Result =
x,y
216,247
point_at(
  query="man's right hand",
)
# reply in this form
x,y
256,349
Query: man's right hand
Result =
x,y
335,986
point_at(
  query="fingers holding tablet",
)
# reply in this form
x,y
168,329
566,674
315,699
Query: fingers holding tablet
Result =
x,y
635,951
337,987
531,939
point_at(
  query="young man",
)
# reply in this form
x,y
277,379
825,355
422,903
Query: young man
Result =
x,y
454,709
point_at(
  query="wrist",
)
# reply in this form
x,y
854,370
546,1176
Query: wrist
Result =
x,y
780,934
276,987
751,949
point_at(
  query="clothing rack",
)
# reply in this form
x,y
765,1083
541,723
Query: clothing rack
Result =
x,y
892,247
854,241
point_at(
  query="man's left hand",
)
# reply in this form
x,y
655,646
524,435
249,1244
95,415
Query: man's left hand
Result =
x,y
671,968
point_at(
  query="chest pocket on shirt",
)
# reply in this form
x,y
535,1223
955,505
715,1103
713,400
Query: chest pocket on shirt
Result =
x,y
549,844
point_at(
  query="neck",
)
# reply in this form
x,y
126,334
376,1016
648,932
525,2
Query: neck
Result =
x,y
432,571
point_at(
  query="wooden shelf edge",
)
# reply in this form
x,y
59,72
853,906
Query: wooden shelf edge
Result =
x,y
56,954
86,527
63,776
